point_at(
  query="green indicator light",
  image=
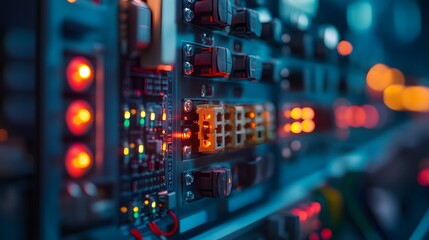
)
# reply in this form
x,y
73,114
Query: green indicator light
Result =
x,y
126,123
141,121
136,215
154,210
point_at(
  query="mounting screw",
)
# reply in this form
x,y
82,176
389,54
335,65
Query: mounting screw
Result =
x,y
286,38
188,50
187,133
188,14
189,179
188,106
285,73
188,68
187,151
285,85
189,196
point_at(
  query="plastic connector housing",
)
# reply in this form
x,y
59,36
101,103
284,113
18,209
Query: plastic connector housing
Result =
x,y
211,122
255,129
235,134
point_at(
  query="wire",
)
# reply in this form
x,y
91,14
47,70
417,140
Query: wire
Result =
x,y
136,234
155,229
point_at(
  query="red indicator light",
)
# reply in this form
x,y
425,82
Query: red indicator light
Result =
x,y
166,68
78,160
423,177
359,116
79,117
3,135
302,215
326,233
342,117
316,207
80,74
371,116
313,236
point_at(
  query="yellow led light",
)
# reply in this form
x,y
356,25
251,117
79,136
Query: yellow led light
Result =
x,y
296,113
296,127
416,98
392,97
82,160
142,114
152,116
164,147
127,114
164,116
308,126
146,202
84,115
153,205
124,209
136,209
141,148
307,113
84,71
126,151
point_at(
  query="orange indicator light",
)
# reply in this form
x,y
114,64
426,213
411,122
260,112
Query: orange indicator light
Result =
x,y
296,128
79,117
307,113
78,160
296,113
79,74
344,48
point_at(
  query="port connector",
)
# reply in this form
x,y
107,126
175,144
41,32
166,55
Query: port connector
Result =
x,y
235,134
211,124
255,130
